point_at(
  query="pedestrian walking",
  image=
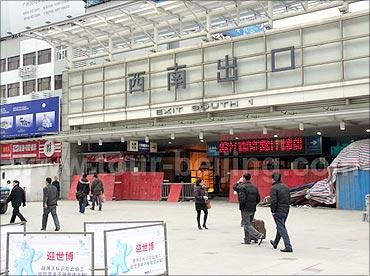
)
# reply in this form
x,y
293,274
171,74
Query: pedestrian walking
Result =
x,y
17,197
50,202
280,202
201,197
56,183
97,190
82,190
249,197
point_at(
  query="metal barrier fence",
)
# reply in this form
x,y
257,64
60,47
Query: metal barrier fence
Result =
x,y
186,191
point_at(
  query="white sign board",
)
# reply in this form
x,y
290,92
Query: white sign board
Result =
x,y
136,251
5,229
98,229
17,15
50,254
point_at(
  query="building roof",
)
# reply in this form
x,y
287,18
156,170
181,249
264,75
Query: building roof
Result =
x,y
130,25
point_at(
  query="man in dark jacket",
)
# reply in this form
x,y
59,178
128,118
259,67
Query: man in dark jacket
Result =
x,y
97,190
280,201
248,199
56,183
83,189
17,197
50,202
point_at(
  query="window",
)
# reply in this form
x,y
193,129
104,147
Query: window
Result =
x,y
13,89
3,65
44,56
13,63
3,91
29,59
57,82
29,86
61,53
43,84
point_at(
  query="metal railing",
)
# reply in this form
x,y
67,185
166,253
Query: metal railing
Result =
x,y
186,191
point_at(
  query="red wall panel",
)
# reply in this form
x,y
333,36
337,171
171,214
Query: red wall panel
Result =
x,y
262,179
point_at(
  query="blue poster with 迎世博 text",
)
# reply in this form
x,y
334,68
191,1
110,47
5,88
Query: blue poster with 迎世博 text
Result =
x,y
30,118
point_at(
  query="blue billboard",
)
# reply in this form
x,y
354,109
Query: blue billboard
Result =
x,y
246,30
31,118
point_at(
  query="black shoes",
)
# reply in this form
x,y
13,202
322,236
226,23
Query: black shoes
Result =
x,y
273,244
57,229
204,226
200,227
42,229
286,250
246,241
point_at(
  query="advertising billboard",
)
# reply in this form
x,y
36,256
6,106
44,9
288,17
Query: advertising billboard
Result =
x,y
98,229
136,251
31,118
17,15
50,254
5,229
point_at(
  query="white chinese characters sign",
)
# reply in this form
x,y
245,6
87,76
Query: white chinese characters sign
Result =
x,y
50,254
136,251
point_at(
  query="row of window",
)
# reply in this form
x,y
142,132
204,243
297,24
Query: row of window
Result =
x,y
43,56
12,90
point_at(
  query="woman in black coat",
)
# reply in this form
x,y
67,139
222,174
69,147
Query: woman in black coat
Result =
x,y
200,194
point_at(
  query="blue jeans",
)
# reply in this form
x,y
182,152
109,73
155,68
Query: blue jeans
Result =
x,y
280,219
83,202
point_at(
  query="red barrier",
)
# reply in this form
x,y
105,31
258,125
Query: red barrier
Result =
x,y
175,192
262,179
139,186
107,179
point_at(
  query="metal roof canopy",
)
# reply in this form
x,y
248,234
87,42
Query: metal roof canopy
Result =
x,y
133,25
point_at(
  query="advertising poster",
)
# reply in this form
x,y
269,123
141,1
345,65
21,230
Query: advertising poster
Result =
x,y
4,230
50,254
98,229
136,251
24,119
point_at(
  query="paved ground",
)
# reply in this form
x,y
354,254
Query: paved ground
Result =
x,y
325,241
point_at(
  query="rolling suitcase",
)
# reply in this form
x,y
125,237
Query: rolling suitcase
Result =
x,y
259,225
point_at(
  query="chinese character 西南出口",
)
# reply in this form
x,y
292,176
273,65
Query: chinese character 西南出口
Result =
x,y
177,77
136,83
228,66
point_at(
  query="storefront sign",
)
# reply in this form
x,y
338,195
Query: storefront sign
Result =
x,y
136,251
6,151
50,254
263,146
5,229
30,118
34,149
98,229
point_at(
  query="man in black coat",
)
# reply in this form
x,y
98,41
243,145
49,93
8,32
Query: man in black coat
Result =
x,y
280,203
17,197
82,190
57,185
248,199
50,202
